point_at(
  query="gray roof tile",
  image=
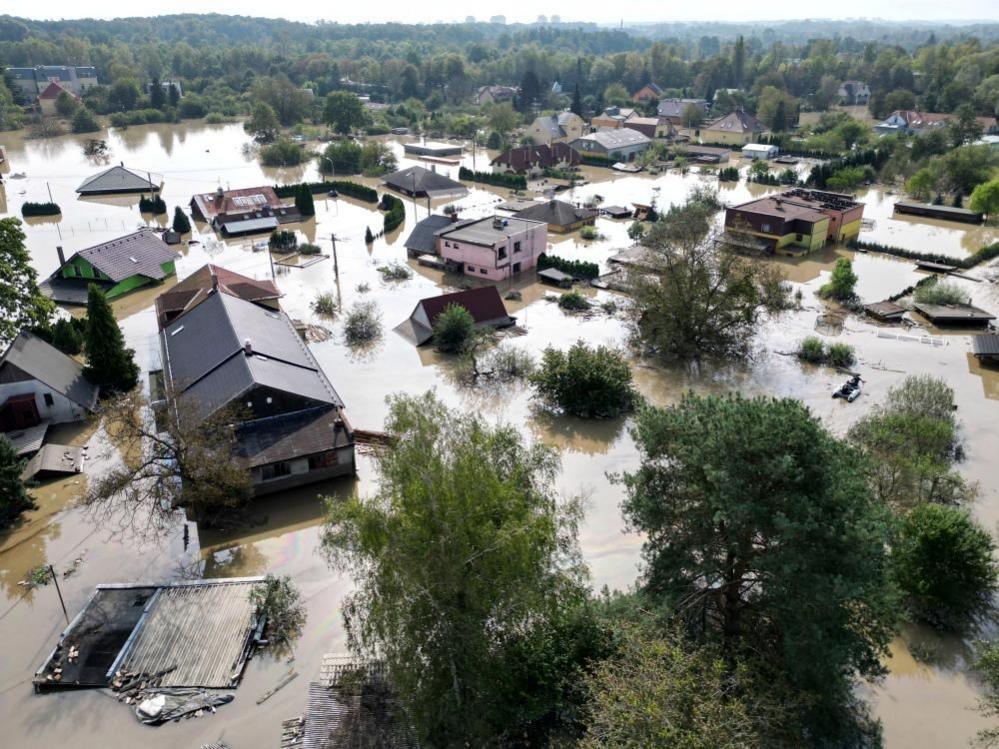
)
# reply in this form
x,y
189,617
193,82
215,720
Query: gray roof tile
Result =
x,y
49,365
141,253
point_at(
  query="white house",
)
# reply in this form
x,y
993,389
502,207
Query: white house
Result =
x,y
38,382
759,151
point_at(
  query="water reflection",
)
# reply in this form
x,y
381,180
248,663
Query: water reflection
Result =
x,y
586,436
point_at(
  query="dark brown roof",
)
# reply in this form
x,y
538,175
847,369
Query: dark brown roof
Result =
x,y
736,122
483,304
194,289
953,313
526,157
233,202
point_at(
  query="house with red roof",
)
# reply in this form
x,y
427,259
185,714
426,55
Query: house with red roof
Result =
x,y
483,304
47,98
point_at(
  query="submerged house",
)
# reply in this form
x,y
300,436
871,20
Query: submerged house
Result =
x,y
39,383
493,248
117,266
482,303
418,181
423,239
797,220
623,144
47,98
560,216
249,210
118,180
734,129
554,128
200,285
533,160
227,352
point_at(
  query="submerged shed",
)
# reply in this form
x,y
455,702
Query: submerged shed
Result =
x,y
118,180
986,347
885,311
197,634
954,314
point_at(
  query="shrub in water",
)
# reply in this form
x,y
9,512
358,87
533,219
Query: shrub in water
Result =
x,y
840,355
573,301
363,323
940,292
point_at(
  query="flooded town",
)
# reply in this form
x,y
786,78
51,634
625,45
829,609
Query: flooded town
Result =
x,y
287,333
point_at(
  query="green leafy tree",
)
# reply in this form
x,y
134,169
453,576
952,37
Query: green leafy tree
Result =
x,y
344,156
967,167
965,127
923,183
663,692
692,116
987,667
910,443
942,561
739,61
84,121
468,578
453,329
263,124
343,111
123,95
278,601
985,198
14,498
762,536
842,282
66,104
695,299
377,159
304,202
584,381
109,363
181,223
22,305
281,152
503,118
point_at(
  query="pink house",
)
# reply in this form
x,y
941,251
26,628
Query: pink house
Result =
x,y
493,248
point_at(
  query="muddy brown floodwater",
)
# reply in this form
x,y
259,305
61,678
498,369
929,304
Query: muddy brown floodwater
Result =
x,y
925,700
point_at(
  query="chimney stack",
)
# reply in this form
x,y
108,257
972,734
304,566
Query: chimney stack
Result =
x,y
215,280
62,255
248,347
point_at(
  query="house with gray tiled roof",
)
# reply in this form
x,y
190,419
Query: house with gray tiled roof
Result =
x,y
623,144
30,82
555,128
118,266
118,180
230,353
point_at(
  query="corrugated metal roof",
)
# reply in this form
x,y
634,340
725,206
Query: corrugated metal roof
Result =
x,y
49,365
203,629
117,179
423,238
986,345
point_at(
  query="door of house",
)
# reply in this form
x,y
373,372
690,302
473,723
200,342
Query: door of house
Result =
x,y
516,267
19,412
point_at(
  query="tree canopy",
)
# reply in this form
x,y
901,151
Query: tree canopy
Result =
x,y
22,305
469,582
762,536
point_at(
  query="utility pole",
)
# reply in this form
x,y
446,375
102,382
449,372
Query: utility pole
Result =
x,y
50,192
61,602
336,275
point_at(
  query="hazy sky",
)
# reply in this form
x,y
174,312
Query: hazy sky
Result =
x,y
524,10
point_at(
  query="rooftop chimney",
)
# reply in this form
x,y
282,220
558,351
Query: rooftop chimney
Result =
x,y
248,347
62,255
215,285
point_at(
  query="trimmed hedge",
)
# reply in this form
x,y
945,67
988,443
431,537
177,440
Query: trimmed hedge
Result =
x,y
499,179
593,160
350,189
395,212
576,268
728,174
965,263
874,157
40,209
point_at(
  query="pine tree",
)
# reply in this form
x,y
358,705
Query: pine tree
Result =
x,y
109,364
173,93
304,202
181,223
14,498
157,97
780,117
368,236
577,102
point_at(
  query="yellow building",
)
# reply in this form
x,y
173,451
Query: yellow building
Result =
x,y
787,227
734,129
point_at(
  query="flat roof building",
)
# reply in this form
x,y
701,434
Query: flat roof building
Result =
x,y
798,220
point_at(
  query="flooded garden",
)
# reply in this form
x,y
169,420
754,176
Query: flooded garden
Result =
x,y
925,701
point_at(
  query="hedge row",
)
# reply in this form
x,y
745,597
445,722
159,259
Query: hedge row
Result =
x,y
874,157
514,181
577,268
40,209
155,205
593,160
965,263
350,189
395,212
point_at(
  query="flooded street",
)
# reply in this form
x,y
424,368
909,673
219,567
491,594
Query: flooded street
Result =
x,y
926,700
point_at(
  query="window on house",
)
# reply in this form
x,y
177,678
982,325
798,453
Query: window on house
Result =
x,y
501,253
765,228
482,271
48,399
516,247
276,470
471,269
